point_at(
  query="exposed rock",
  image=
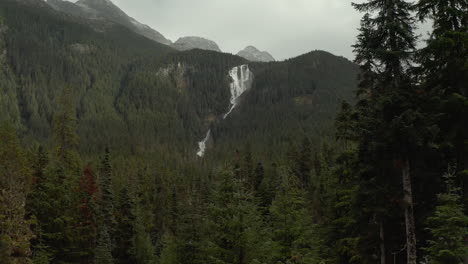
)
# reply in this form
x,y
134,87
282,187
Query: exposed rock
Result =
x,y
253,54
188,43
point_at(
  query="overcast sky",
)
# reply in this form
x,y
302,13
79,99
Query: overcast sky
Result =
x,y
285,28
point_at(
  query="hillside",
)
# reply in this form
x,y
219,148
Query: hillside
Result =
x,y
106,10
147,94
118,149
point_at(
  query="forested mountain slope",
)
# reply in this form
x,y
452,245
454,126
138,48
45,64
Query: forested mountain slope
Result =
x,y
289,100
99,129
106,10
138,95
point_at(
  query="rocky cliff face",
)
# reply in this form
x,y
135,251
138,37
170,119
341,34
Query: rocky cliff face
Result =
x,y
188,43
253,54
105,9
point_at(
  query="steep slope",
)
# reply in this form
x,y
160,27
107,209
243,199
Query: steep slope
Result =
x,y
188,43
139,96
105,9
288,100
253,54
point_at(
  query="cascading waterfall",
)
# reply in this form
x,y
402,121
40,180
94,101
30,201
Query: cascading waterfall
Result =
x,y
242,79
202,144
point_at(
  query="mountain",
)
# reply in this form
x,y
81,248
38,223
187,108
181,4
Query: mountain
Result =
x,y
253,54
287,101
136,95
188,43
106,10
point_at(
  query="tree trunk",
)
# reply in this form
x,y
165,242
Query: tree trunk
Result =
x,y
409,214
382,244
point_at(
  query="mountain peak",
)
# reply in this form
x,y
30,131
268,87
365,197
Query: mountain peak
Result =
x,y
193,42
251,53
105,9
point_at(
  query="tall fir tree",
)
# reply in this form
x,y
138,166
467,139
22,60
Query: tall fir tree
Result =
x,y
292,225
237,233
384,51
124,251
106,219
15,178
448,226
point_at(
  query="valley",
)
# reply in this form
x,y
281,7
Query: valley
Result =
x,y
121,146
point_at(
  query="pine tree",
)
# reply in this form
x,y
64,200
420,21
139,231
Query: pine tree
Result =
x,y
292,224
145,251
236,230
385,50
103,251
124,251
64,131
106,202
15,177
448,226
169,253
54,204
303,162
259,176
87,214
444,75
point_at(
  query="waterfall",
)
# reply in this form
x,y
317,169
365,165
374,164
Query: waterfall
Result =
x,y
202,144
242,79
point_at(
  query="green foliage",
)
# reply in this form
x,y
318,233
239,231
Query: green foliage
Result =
x,y
169,252
294,195
292,225
125,229
15,177
103,247
237,233
448,227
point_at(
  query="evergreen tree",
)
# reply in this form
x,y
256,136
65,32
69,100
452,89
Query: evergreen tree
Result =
x,y
103,252
124,251
106,202
444,76
64,131
389,117
292,224
169,253
34,202
236,230
259,176
87,214
145,251
303,162
15,177
448,227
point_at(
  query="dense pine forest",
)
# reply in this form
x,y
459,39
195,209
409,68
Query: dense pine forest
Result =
x,y
324,161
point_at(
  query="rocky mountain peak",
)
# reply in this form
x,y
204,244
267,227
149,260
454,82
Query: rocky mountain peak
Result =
x,y
192,42
251,53
105,9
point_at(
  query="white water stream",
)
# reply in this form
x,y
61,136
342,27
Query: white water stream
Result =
x,y
242,79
